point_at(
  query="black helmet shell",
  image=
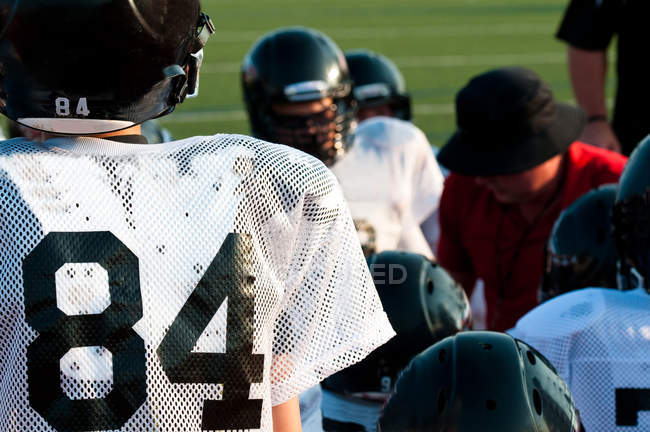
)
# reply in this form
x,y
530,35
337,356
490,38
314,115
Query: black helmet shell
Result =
x,y
69,66
377,81
480,381
292,65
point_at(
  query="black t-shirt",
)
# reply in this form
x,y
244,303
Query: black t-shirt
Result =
x,y
590,25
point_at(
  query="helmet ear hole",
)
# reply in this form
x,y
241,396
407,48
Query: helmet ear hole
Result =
x,y
531,357
442,356
537,401
430,287
442,400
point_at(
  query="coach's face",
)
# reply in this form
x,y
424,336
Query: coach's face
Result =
x,y
525,186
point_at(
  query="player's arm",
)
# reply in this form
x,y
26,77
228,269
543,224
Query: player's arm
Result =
x,y
286,417
588,27
588,71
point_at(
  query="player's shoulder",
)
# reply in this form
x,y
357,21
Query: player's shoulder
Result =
x,y
15,146
565,314
13,150
390,133
281,163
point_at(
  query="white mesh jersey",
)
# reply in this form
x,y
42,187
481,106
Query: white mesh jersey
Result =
x,y
185,286
599,341
392,183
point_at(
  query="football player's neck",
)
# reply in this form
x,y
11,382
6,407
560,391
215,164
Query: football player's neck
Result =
x,y
134,130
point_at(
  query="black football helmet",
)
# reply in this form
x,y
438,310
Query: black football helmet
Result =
x,y
89,67
292,65
424,305
377,81
480,381
581,251
632,217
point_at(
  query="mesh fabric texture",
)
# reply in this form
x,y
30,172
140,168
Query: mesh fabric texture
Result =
x,y
196,263
599,341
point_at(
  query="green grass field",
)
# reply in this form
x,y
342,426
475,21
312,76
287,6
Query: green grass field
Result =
x,y
438,45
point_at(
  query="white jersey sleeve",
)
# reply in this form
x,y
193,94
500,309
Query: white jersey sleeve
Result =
x,y
331,316
599,341
183,286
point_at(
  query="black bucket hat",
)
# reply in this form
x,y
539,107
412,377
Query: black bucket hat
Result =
x,y
508,122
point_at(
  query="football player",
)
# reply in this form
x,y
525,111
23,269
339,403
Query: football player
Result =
x,y
581,251
380,91
195,285
298,91
379,86
480,381
424,305
599,338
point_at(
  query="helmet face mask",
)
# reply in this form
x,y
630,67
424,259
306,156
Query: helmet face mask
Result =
x,y
632,234
296,66
581,252
103,67
568,272
631,219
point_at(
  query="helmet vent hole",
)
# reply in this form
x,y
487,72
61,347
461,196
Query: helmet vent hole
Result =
x,y
486,346
442,356
537,401
490,405
442,401
430,287
531,357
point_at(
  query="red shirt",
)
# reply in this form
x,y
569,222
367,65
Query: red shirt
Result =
x,y
482,237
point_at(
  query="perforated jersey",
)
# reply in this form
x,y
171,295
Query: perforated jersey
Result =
x,y
183,286
392,182
599,341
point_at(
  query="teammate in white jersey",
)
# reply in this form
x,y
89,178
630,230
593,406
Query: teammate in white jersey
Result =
x,y
298,92
599,338
195,285
380,91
